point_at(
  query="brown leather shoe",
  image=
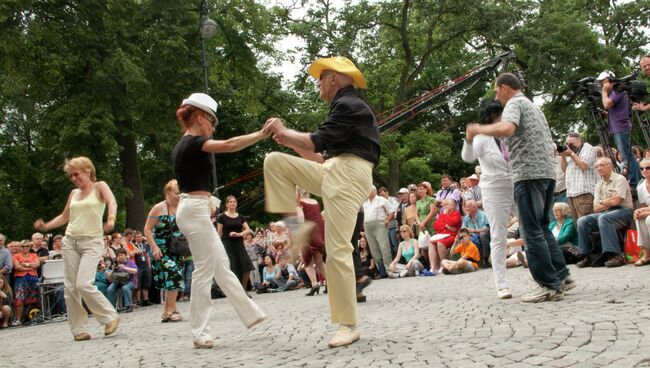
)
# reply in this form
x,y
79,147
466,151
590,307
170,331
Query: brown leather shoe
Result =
x,y
615,261
111,326
344,336
81,336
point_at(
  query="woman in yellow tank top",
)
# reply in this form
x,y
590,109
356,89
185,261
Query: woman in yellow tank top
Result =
x,y
83,246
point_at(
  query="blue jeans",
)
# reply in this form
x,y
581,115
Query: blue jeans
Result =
x,y
622,141
127,295
187,277
607,223
535,203
392,237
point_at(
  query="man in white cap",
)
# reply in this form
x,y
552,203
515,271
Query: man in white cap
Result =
x,y
337,164
617,105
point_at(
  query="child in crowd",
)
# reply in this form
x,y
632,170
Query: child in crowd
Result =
x,y
469,255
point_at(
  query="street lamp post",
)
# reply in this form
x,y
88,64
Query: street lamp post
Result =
x,y
208,28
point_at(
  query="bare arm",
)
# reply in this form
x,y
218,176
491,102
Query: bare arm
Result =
x,y
152,221
233,144
500,129
58,221
107,196
309,155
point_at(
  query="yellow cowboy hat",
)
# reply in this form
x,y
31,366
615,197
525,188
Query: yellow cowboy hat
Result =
x,y
341,65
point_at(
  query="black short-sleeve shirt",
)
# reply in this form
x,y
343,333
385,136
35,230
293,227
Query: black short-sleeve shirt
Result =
x,y
192,166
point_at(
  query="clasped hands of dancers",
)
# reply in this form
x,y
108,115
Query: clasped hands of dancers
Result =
x,y
336,164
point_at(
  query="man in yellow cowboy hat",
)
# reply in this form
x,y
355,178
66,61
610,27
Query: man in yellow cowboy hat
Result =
x,y
336,164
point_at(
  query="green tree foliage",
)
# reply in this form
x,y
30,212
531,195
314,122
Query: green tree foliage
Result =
x,y
103,78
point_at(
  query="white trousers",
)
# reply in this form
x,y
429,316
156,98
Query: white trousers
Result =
x,y
643,229
499,203
81,256
210,261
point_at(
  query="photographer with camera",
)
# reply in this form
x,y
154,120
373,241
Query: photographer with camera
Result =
x,y
578,163
620,126
122,276
644,64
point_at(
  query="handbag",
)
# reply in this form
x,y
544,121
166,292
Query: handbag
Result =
x,y
423,239
630,248
120,278
177,245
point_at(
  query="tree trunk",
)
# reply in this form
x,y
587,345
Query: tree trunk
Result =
x,y
393,176
135,215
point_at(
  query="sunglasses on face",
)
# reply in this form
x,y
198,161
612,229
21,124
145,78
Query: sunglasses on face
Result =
x,y
404,231
644,168
25,246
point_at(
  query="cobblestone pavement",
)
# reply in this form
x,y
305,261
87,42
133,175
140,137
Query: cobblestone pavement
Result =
x,y
442,321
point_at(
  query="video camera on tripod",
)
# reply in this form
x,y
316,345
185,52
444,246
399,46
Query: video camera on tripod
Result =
x,y
591,89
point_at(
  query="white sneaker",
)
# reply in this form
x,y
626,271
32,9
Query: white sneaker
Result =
x,y
504,294
346,335
542,294
403,273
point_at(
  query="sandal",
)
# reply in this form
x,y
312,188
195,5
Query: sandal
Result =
x,y
207,344
175,316
642,262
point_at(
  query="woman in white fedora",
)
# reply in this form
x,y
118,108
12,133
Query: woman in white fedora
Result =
x,y
192,168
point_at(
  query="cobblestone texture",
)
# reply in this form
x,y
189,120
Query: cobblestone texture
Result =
x,y
442,321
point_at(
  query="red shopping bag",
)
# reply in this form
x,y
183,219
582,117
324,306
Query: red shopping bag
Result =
x,y
631,249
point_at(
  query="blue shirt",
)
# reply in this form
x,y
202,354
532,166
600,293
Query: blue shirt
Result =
x,y
479,223
6,260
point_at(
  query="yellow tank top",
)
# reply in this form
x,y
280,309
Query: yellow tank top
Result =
x,y
86,216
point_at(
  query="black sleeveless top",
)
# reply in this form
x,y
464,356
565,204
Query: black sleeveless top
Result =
x,y
192,167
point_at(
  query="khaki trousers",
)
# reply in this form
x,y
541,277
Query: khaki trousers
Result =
x,y
343,182
210,262
81,256
581,205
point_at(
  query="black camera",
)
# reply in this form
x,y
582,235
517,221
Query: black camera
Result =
x,y
561,148
589,88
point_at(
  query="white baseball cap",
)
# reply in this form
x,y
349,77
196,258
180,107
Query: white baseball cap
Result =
x,y
605,74
203,102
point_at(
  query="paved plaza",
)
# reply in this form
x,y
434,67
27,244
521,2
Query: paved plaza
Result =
x,y
442,321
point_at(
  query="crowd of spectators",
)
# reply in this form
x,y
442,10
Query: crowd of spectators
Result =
x,y
416,232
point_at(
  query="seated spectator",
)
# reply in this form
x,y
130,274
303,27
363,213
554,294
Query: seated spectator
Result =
x,y
516,255
612,212
25,279
120,282
449,221
287,277
268,276
7,297
367,262
408,248
476,223
57,247
469,255
565,233
101,278
642,214
6,258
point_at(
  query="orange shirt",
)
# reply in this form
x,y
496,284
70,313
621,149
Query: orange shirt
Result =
x,y
30,258
470,251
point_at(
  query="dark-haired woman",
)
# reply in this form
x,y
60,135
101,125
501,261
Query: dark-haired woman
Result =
x,y
232,228
192,168
496,189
